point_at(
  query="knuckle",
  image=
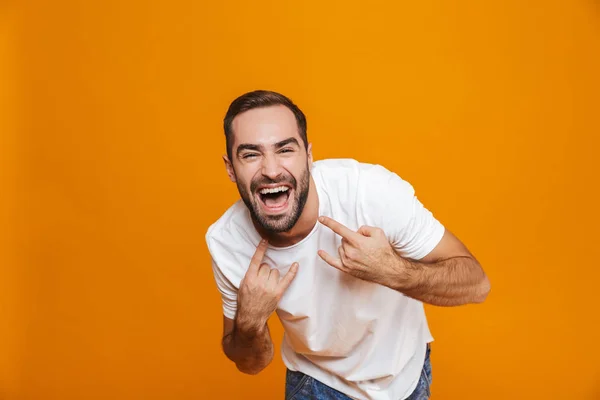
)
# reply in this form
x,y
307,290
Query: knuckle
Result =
x,y
350,253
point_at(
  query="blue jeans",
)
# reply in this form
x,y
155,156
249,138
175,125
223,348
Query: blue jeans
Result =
x,y
299,386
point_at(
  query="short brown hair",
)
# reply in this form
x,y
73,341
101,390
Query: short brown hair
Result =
x,y
258,99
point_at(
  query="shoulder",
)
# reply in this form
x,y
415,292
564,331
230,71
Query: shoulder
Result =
x,y
374,191
377,179
335,165
360,176
231,231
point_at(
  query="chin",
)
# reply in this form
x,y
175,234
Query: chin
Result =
x,y
275,224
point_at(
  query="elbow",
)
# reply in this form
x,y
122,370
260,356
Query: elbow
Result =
x,y
249,371
251,365
253,368
483,290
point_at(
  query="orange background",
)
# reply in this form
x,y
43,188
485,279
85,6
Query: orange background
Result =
x,y
490,109
11,306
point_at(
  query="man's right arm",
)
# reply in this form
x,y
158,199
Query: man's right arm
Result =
x,y
246,339
249,347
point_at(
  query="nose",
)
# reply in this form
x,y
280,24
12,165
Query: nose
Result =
x,y
270,167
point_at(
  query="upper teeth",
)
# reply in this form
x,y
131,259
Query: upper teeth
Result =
x,y
274,190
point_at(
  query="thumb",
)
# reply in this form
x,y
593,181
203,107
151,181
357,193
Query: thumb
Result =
x,y
287,279
366,230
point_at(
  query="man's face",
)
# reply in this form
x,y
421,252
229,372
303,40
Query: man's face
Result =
x,y
270,166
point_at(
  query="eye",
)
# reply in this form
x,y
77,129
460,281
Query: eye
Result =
x,y
248,156
286,150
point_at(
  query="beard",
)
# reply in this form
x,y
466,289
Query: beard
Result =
x,y
283,222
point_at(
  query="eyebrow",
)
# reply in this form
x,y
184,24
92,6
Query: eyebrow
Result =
x,y
285,142
259,147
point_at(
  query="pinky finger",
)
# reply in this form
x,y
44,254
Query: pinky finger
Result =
x,y
333,261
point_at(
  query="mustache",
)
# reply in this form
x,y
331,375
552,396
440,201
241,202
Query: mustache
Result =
x,y
254,185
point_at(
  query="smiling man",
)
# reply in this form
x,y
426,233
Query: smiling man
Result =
x,y
342,251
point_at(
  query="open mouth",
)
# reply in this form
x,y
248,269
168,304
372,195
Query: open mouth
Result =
x,y
274,199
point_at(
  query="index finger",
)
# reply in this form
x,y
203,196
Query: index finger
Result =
x,y
339,228
258,256
287,279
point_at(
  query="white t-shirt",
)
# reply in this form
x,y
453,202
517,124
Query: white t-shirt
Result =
x,y
363,339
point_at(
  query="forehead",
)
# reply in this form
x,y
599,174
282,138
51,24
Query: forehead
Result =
x,y
264,126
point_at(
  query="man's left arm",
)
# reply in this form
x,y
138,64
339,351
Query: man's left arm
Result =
x,y
448,276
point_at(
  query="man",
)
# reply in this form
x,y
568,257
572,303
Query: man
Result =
x,y
344,253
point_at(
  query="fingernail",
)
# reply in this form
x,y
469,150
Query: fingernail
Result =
x,y
321,219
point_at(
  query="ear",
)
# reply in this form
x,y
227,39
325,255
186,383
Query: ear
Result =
x,y
309,154
229,168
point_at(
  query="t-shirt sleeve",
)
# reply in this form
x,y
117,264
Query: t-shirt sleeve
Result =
x,y
227,290
410,227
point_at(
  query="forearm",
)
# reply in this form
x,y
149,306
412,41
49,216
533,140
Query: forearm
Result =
x,y
449,282
249,345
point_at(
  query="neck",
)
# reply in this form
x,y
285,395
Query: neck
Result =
x,y
302,228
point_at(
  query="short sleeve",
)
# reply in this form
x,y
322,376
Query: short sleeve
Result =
x,y
227,290
390,203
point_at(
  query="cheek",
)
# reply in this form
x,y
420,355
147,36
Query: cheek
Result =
x,y
296,167
245,174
